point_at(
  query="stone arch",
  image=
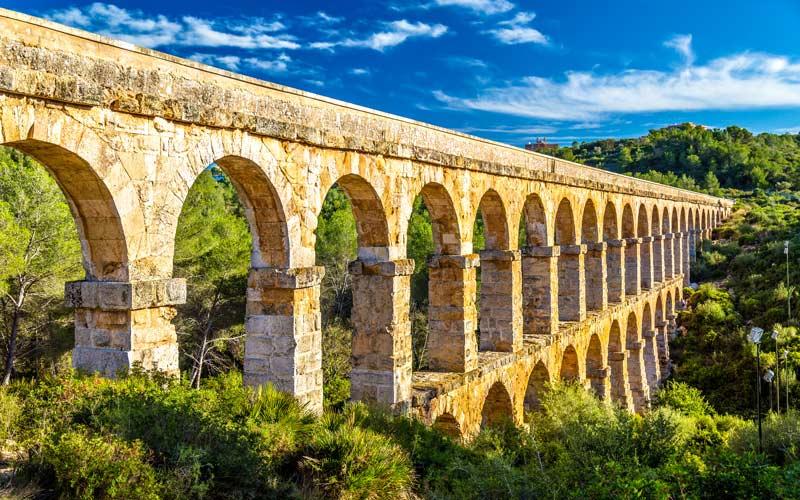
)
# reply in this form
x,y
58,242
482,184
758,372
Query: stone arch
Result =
x,y
537,384
371,224
497,406
617,365
615,255
570,370
594,262
662,342
447,424
610,223
632,266
535,220
444,219
645,247
665,225
658,245
651,368
595,370
571,284
263,210
565,224
495,221
636,377
589,230
97,219
499,311
628,223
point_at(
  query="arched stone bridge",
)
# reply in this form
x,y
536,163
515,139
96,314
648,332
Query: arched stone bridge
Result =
x,y
125,131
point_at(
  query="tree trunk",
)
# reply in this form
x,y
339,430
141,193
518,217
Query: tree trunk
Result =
x,y
12,347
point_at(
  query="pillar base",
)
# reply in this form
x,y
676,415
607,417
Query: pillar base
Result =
x,y
120,325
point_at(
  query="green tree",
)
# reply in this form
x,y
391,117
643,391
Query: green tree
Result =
x,y
39,250
212,251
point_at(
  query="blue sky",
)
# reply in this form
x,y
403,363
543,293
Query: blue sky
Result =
x,y
502,69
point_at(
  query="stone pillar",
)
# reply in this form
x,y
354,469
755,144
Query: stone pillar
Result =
x,y
632,268
692,245
669,262
452,345
381,357
686,254
652,367
636,376
646,260
284,333
501,301
615,270
598,381
122,324
662,341
540,290
571,283
596,278
677,247
658,258
620,389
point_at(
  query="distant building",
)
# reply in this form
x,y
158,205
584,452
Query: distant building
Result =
x,y
540,144
682,125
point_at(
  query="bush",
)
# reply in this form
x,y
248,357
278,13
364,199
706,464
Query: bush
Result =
x,y
781,434
9,413
684,398
348,462
89,467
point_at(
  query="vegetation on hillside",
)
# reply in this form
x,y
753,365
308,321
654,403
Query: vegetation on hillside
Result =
x,y
696,157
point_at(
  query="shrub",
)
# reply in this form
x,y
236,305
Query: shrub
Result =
x,y
781,434
103,466
348,462
9,413
684,398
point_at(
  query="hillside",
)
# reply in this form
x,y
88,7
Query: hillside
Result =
x,y
699,158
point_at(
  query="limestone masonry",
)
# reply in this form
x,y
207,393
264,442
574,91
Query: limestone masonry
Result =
x,y
125,131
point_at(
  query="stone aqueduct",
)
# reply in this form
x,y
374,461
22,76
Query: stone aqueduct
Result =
x,y
125,131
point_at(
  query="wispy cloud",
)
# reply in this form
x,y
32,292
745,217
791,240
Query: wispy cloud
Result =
x,y
542,129
465,62
517,30
136,27
683,45
736,82
393,34
480,6
236,63
360,72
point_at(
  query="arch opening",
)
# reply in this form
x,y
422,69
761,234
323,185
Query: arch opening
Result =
x,y
497,406
615,255
636,375
448,425
617,365
571,284
537,385
632,248
595,260
595,371
570,370
645,248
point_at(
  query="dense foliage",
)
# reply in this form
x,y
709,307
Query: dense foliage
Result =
x,y
696,157
85,437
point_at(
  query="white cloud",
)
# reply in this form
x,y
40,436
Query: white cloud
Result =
x,y
542,129
466,62
395,33
360,72
156,31
683,45
741,81
517,30
236,63
480,6
788,130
